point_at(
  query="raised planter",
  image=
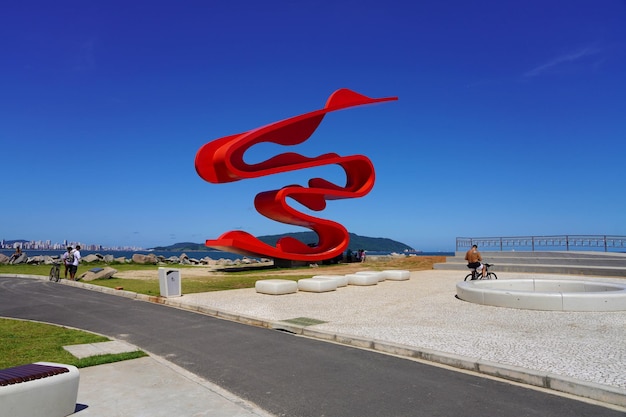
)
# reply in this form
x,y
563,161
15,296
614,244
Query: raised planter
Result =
x,y
545,294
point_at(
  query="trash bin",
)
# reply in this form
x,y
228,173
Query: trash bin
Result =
x,y
169,282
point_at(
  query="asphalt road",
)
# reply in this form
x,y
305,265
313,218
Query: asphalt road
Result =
x,y
284,374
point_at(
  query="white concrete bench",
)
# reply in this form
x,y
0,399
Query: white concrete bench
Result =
x,y
341,280
43,389
276,286
362,279
397,274
317,285
377,274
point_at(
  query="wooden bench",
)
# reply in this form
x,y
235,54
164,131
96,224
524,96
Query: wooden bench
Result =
x,y
39,389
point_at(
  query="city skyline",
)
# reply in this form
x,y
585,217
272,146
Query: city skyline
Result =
x,y
25,244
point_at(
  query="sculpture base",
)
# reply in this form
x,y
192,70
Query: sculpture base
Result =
x,y
288,263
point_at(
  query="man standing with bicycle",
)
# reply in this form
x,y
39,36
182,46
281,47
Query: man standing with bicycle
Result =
x,y
68,259
474,260
74,264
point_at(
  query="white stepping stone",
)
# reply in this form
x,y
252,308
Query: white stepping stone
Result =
x,y
362,279
317,285
341,280
276,286
397,275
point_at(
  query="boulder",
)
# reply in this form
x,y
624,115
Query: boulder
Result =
x,y
19,260
225,262
97,273
90,258
36,260
208,261
109,258
49,260
139,258
4,259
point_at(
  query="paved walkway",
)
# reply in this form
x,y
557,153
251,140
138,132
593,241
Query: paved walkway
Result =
x,y
153,387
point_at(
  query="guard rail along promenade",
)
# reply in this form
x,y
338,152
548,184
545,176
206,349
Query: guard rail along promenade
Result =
x,y
597,255
603,243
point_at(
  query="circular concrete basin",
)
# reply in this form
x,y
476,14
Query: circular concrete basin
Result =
x,y
545,294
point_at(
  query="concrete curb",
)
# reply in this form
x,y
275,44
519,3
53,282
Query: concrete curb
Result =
x,y
597,392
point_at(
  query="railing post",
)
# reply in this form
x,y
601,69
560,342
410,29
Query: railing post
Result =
x,y
532,243
605,249
567,243
500,244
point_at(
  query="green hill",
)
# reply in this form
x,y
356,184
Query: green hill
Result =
x,y
372,244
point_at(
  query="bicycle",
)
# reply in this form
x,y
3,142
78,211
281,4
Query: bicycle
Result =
x,y
474,275
55,272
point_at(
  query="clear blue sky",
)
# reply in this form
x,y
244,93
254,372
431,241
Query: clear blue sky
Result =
x,y
511,118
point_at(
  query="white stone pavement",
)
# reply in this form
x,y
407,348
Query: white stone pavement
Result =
x,y
423,313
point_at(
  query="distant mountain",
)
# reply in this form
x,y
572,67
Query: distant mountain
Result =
x,y
182,247
372,244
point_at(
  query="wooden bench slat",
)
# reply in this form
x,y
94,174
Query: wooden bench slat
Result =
x,y
29,372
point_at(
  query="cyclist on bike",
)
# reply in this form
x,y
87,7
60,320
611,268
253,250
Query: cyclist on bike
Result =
x,y
474,260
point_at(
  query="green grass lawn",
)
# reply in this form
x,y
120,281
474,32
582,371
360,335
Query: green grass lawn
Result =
x,y
228,281
189,285
25,342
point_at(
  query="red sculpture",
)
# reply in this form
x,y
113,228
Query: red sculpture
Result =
x,y
222,161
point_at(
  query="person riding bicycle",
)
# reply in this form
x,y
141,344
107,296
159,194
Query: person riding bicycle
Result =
x,y
474,260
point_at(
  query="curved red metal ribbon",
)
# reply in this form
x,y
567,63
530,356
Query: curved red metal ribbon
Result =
x,y
221,161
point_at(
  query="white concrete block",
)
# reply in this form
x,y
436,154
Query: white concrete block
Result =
x,y
276,286
317,285
379,275
341,280
397,274
362,279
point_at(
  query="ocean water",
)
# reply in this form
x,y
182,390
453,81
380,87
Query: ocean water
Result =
x,y
213,254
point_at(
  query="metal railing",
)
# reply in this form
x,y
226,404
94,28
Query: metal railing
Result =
x,y
603,243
